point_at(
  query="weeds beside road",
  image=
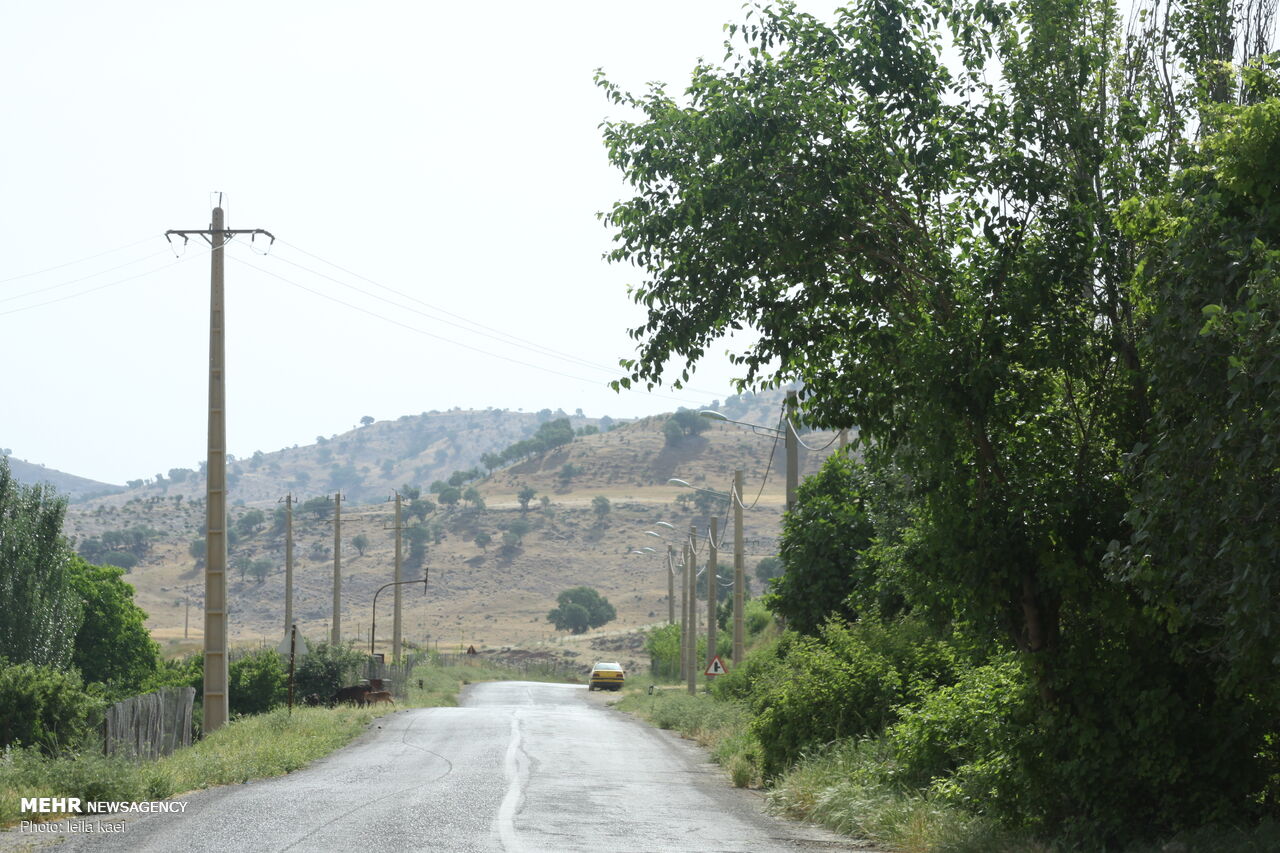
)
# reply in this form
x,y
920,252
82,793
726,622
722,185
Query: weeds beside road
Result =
x,y
249,747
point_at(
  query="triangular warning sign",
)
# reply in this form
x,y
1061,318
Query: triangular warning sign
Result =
x,y
716,667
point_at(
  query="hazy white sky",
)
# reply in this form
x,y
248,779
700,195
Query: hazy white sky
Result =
x,y
448,152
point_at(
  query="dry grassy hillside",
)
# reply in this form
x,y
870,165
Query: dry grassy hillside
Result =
x,y
488,595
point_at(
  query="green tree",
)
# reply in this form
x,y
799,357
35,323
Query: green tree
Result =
x,y
581,608
326,668
601,507
937,258
823,544
41,613
449,495
524,496
483,540
112,646
251,522
360,542
472,496
366,420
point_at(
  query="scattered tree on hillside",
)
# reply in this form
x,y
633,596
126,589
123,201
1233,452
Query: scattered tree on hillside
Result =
x,y
601,507
360,542
526,494
449,495
366,420
581,608
483,540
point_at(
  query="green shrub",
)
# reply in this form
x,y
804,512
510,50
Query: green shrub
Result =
x,y
962,739
258,682
45,708
326,668
848,681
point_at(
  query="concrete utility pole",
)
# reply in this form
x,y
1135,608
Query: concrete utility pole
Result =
x,y
692,571
395,621
186,613
335,631
684,610
289,628
713,589
793,451
739,572
216,710
671,585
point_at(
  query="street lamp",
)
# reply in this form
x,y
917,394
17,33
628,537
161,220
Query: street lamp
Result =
x,y
373,623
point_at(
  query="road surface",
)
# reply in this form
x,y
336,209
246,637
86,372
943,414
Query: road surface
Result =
x,y
520,767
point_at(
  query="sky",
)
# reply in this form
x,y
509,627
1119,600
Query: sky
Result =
x,y
432,174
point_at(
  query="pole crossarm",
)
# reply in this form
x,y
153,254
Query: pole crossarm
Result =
x,y
207,233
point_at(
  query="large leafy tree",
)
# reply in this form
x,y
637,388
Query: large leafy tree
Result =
x,y
112,645
931,246
40,610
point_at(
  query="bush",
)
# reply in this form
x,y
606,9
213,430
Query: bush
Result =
x,y
326,668
45,708
846,682
257,682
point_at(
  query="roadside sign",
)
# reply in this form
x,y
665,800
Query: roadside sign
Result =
x,y
716,667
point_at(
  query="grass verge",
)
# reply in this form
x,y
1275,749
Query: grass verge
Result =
x,y
720,726
251,747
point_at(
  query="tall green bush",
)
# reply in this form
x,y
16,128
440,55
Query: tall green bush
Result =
x,y
258,682
45,708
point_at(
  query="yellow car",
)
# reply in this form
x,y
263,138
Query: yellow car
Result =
x,y
606,676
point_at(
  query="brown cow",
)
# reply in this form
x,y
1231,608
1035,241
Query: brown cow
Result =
x,y
378,696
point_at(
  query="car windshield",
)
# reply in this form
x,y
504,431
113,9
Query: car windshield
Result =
x,y
610,666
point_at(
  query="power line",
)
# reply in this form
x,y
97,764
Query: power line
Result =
x,y
73,263
94,289
513,338
50,287
425,333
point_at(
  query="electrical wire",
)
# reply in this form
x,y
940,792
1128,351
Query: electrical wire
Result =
x,y
513,339
815,449
500,337
94,289
73,263
425,333
50,287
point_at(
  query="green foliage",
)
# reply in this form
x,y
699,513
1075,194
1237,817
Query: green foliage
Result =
x,y
360,542
325,668
823,547
449,495
685,423
45,708
483,539
581,608
41,613
251,522
663,647
601,507
112,646
526,494
847,681
1209,466
769,568
258,682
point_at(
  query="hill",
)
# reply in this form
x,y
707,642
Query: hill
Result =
x,y
494,567
75,488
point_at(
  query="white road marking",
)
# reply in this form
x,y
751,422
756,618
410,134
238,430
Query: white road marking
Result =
x,y
516,770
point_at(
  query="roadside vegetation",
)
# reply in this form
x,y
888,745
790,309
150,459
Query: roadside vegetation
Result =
x,y
1028,251
251,746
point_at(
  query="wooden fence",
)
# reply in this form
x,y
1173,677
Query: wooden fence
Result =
x,y
149,725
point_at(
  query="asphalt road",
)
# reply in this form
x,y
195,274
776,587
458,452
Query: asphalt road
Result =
x,y
519,767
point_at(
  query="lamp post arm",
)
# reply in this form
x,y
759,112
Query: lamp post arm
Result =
x,y
373,622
